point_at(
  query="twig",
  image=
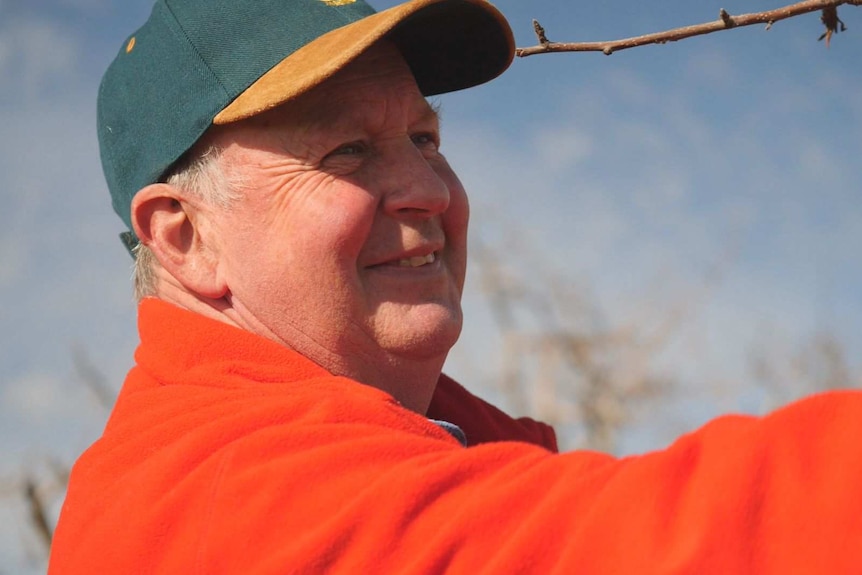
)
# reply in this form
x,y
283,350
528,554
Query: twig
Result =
x,y
540,33
94,379
832,22
38,512
725,22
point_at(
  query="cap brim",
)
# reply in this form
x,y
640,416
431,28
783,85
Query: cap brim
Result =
x,y
448,44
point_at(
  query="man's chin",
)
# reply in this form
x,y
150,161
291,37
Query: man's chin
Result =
x,y
429,338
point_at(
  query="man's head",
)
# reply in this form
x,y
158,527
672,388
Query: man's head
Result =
x,y
196,63
328,221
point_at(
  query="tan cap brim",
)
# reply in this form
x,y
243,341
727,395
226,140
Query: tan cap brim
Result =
x,y
448,44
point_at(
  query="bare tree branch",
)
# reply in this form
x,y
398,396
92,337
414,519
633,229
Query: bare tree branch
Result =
x,y
725,22
38,512
93,378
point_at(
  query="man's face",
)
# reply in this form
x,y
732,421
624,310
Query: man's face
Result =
x,y
349,242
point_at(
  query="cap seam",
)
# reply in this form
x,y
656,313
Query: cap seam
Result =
x,y
344,19
194,48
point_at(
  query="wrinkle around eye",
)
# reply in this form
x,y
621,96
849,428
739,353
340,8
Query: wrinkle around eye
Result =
x,y
428,144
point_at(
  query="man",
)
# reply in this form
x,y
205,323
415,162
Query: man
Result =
x,y
301,251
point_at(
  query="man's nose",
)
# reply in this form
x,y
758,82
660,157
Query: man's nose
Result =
x,y
411,184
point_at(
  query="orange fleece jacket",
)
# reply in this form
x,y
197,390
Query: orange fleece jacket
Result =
x,y
227,453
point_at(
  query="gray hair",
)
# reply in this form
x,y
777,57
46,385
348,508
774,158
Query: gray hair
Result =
x,y
202,175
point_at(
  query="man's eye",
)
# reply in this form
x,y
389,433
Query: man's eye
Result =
x,y
351,149
426,140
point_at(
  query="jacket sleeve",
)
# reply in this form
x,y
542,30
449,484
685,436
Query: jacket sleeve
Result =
x,y
779,494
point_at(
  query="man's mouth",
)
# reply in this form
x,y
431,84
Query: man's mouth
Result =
x,y
416,261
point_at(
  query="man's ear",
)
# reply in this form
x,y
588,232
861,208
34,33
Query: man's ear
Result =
x,y
168,222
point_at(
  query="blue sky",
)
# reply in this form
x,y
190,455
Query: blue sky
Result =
x,y
722,171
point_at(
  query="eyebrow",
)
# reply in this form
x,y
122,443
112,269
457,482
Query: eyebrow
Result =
x,y
430,113
434,112
436,107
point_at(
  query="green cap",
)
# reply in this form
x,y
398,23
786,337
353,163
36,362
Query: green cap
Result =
x,y
196,63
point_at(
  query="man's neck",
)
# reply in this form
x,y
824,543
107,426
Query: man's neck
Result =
x,y
411,381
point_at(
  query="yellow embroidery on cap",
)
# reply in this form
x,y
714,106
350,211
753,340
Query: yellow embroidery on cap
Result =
x,y
338,2
130,45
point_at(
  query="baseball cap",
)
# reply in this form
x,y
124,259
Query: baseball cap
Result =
x,y
196,63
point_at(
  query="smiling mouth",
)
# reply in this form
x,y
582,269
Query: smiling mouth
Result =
x,y
417,261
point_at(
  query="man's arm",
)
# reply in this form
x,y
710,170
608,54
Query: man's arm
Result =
x,y
313,492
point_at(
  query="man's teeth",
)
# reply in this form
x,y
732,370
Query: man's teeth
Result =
x,y
417,261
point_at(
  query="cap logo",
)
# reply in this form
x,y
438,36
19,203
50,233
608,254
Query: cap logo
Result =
x,y
130,45
338,2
